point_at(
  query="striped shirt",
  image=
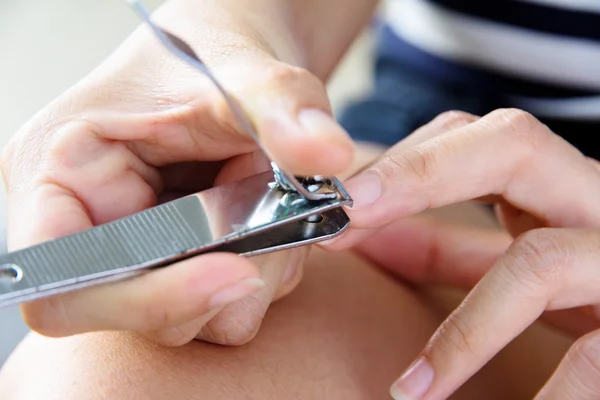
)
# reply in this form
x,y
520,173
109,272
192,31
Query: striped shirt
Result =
x,y
544,55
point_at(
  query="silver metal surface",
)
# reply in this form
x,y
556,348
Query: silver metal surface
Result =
x,y
248,217
181,49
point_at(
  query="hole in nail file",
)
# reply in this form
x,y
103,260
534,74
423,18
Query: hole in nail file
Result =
x,y
11,272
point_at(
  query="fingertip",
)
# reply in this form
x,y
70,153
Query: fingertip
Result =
x,y
209,276
365,190
311,143
345,241
323,127
46,318
415,382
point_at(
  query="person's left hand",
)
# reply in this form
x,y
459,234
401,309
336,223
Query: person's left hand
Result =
x,y
547,196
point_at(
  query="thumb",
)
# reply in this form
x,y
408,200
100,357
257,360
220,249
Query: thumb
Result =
x,y
425,249
291,113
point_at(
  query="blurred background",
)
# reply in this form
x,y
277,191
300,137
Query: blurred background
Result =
x,y
47,46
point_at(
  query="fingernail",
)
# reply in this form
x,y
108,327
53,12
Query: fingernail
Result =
x,y
415,382
236,292
329,242
364,189
319,123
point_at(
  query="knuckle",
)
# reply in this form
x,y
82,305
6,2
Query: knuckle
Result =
x,y
192,116
285,73
297,81
155,317
413,162
516,119
230,333
538,257
587,350
237,325
457,336
66,140
449,120
524,127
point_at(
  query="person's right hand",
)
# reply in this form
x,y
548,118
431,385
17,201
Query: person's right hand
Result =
x,y
144,128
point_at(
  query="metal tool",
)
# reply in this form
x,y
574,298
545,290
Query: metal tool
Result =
x,y
264,213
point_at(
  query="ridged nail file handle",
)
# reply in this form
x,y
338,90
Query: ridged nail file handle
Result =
x,y
150,238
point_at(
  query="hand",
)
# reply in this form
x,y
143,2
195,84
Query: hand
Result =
x,y
144,128
546,194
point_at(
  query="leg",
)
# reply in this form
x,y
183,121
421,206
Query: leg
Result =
x,y
345,333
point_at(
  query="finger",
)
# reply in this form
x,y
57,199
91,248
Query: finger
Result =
x,y
287,105
143,304
543,269
105,176
180,335
515,220
160,299
237,327
294,270
428,250
425,250
595,163
192,177
29,221
443,123
293,117
577,376
506,152
242,167
240,321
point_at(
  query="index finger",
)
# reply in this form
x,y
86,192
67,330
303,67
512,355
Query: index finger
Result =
x,y
545,269
287,106
507,153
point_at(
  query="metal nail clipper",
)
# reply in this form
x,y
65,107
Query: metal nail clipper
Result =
x,y
261,214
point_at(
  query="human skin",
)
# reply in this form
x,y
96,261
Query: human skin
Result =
x,y
143,128
344,333
546,194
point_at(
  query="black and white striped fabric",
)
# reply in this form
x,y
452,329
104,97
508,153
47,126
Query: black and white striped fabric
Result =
x,y
543,54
